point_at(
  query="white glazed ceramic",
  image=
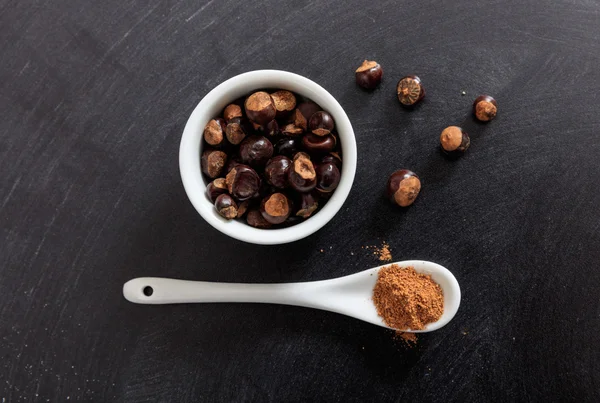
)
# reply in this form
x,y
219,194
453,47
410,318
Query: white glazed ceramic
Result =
x,y
212,105
350,295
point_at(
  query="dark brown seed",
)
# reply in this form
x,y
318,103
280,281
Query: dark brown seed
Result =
x,y
334,158
213,162
308,109
284,102
235,131
369,74
232,111
226,206
215,189
328,177
321,123
256,150
410,90
454,140
276,171
308,204
314,144
271,129
255,219
485,108
302,177
214,132
403,187
242,208
260,108
276,208
299,120
243,182
288,147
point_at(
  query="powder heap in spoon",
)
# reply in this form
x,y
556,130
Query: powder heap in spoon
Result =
x,y
406,299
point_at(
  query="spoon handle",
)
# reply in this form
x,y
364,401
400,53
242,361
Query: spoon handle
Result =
x,y
156,290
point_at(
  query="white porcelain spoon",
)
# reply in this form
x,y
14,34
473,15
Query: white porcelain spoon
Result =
x,y
350,295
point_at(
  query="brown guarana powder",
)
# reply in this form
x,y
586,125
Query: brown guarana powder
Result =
x,y
406,299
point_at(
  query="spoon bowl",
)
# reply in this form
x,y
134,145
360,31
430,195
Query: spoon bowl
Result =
x,y
349,295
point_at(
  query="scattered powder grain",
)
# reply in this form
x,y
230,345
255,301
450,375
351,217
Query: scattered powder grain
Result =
x,y
406,299
410,339
384,253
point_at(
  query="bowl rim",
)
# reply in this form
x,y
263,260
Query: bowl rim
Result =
x,y
191,143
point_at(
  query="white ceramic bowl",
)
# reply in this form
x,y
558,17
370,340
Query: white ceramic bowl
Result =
x,y
212,105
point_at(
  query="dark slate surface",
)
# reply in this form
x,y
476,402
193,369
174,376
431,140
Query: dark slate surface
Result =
x,y
93,99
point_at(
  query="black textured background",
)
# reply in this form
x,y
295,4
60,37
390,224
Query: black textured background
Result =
x,y
93,99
